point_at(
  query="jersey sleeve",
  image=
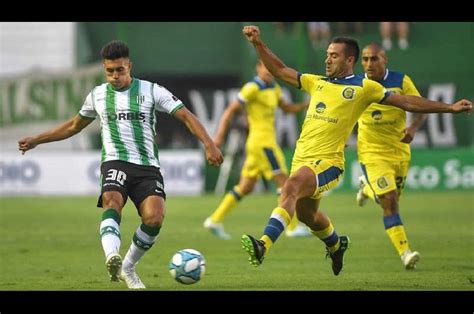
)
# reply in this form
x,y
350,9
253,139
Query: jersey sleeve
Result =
x,y
165,101
375,92
307,81
247,92
408,87
87,109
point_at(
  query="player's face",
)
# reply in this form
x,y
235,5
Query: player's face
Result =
x,y
336,61
374,63
117,72
263,73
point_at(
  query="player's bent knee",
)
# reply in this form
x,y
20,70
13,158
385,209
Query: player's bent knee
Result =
x,y
112,199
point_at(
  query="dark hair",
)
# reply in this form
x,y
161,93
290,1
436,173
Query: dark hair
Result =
x,y
352,47
376,45
114,50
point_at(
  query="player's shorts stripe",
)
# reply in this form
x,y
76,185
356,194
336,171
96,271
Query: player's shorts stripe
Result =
x,y
364,171
329,175
271,158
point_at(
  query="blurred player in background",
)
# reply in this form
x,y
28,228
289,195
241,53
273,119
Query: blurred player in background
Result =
x,y
383,146
264,157
337,101
130,164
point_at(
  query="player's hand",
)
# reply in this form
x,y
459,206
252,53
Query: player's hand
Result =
x,y
25,144
462,105
252,33
214,156
409,135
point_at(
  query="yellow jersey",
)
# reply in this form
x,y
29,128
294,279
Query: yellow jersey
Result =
x,y
381,127
335,106
260,101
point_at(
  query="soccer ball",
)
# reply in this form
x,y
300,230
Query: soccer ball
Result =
x,y
187,266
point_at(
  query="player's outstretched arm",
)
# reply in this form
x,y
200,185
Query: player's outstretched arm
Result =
x,y
213,154
420,104
271,61
67,129
225,121
287,107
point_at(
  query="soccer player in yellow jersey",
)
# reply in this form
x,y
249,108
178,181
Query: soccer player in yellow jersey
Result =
x,y
337,101
383,146
260,99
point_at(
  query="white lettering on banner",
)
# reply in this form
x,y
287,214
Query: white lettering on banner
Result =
x,y
441,126
453,176
210,121
35,97
52,173
457,176
427,177
25,172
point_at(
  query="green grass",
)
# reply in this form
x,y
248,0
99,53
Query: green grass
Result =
x,y
53,244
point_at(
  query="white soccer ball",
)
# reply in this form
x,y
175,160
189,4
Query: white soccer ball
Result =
x,y
187,266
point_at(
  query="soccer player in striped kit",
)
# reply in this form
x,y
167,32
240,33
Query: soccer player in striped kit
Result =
x,y
130,167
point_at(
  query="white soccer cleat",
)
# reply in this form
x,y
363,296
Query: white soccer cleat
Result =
x,y
216,229
300,231
114,265
410,259
131,279
361,197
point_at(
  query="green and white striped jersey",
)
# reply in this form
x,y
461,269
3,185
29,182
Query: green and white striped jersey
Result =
x,y
127,119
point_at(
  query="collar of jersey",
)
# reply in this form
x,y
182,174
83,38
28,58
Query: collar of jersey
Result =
x,y
110,88
384,77
262,82
336,79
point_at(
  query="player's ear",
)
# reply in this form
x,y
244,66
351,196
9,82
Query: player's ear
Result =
x,y
351,59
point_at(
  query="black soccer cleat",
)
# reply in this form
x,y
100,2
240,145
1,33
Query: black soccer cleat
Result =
x,y
338,256
255,248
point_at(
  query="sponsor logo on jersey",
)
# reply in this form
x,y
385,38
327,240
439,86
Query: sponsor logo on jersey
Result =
x,y
125,116
377,114
320,107
319,115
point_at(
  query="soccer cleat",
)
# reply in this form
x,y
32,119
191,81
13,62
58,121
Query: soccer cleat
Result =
x,y
255,249
216,229
410,259
300,231
338,256
131,279
361,197
114,264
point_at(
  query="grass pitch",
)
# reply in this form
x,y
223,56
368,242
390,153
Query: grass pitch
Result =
x,y
53,244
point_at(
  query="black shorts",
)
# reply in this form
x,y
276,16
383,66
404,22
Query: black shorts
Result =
x,y
132,180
